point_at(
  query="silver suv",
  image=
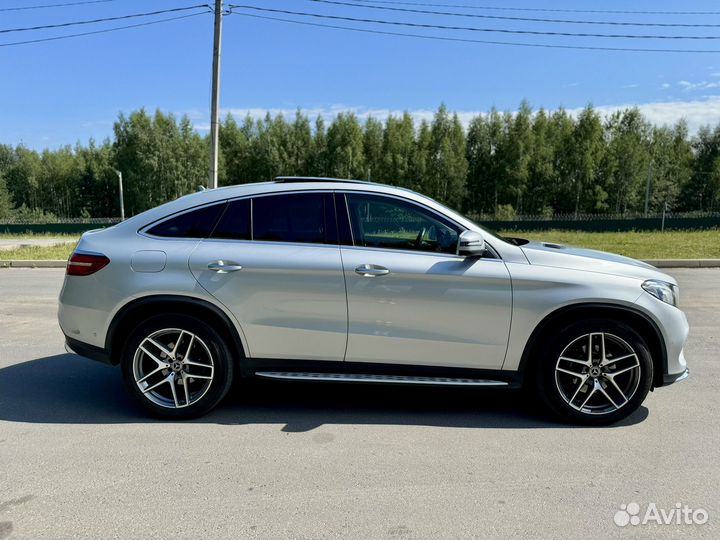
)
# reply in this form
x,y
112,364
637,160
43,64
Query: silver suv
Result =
x,y
337,280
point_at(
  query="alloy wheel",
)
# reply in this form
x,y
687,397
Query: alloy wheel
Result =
x,y
597,373
173,368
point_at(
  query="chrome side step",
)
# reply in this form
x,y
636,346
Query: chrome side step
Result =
x,y
376,378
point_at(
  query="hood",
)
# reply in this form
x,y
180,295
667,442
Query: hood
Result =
x,y
561,256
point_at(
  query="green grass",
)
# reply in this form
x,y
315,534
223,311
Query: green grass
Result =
x,y
38,236
639,245
38,253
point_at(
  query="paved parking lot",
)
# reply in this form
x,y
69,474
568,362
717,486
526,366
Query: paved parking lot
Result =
x,y
77,460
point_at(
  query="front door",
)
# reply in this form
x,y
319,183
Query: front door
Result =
x,y
274,262
411,299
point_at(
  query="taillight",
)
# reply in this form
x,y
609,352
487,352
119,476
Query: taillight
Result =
x,y
84,264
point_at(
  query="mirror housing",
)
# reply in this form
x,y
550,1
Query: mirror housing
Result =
x,y
471,244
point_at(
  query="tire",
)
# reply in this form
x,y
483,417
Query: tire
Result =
x,y
167,355
594,392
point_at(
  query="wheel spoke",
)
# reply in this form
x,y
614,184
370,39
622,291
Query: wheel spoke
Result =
x,y
604,393
161,347
609,361
153,372
602,348
577,391
567,359
614,374
154,386
177,343
589,349
174,391
158,361
187,390
612,381
189,347
590,394
188,363
208,377
569,372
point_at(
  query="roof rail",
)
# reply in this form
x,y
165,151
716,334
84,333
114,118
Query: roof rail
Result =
x,y
293,179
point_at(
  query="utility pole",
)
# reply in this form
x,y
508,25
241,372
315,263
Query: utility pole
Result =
x,y
122,200
647,188
215,107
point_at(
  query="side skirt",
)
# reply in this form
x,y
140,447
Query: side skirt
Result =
x,y
360,372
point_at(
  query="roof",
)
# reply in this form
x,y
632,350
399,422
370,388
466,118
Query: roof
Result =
x,y
293,179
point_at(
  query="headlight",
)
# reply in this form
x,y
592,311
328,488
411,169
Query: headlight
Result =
x,y
662,290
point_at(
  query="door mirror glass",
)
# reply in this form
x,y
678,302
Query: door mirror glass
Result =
x,y
471,244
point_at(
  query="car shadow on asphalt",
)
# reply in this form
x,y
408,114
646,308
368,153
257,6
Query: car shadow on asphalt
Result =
x,y
68,389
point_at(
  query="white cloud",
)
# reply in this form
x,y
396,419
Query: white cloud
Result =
x,y
687,86
697,112
665,85
631,85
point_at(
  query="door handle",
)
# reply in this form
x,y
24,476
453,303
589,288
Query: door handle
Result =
x,y
223,267
371,270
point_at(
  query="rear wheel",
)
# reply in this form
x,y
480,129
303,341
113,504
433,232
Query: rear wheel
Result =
x,y
177,366
595,372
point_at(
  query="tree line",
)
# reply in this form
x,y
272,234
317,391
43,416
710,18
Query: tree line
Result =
x,y
502,164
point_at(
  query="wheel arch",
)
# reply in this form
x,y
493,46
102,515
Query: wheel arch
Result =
x,y
141,309
634,318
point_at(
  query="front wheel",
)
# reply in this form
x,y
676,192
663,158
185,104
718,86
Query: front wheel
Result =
x,y
595,372
176,366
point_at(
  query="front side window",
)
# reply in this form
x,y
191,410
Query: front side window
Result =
x,y
193,224
296,217
385,222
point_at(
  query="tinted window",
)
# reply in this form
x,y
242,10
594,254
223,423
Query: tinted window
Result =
x,y
297,217
385,222
235,222
194,224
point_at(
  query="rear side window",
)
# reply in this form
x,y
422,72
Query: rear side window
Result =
x,y
194,224
235,222
297,217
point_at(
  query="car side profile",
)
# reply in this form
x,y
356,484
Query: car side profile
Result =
x,y
340,280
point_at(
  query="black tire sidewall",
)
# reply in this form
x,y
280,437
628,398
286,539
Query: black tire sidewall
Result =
x,y
545,374
222,358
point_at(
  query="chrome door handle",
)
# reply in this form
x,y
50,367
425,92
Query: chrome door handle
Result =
x,y
371,270
223,267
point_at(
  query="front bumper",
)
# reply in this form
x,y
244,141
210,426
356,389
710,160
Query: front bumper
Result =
x,y
670,378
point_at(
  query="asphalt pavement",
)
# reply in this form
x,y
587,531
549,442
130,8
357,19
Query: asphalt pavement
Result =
x,y
281,460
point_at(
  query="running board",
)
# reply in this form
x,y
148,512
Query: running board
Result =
x,y
376,378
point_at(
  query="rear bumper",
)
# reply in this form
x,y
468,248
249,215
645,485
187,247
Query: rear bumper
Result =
x,y
86,350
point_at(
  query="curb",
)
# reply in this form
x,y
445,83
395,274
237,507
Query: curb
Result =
x,y
657,263
684,263
33,264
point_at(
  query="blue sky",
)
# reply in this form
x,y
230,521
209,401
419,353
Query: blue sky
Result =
x,y
61,92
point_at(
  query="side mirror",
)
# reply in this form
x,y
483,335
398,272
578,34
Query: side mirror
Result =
x,y
471,244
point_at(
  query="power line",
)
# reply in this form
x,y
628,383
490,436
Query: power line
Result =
x,y
488,42
56,5
551,10
469,28
106,30
508,18
105,19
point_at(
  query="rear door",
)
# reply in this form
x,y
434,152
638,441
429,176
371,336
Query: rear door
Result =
x,y
273,260
411,299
